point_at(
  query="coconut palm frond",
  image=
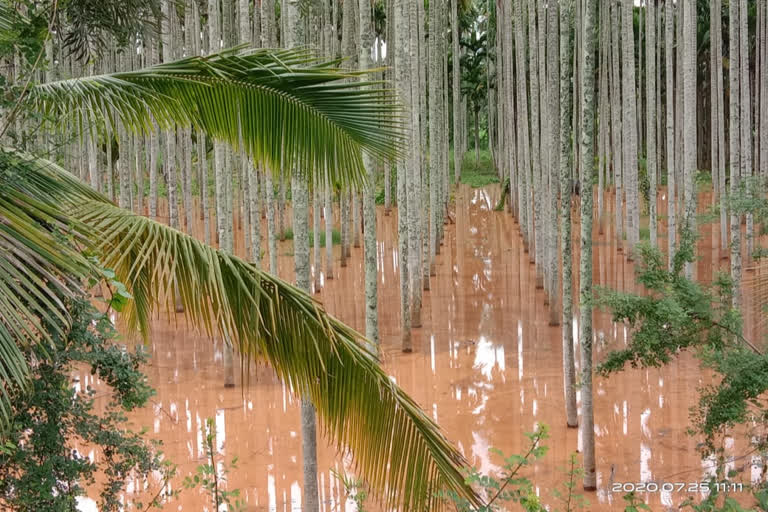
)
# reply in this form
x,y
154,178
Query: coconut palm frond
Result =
x,y
294,112
399,449
39,267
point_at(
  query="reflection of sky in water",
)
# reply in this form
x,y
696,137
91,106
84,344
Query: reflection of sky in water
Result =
x,y
482,455
488,356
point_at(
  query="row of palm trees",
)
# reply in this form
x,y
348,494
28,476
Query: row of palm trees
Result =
x,y
599,87
275,115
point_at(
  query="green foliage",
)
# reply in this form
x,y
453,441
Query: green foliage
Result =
x,y
504,195
39,264
39,469
508,486
380,191
335,236
281,91
634,504
719,497
644,182
480,173
676,314
567,495
269,320
356,488
212,476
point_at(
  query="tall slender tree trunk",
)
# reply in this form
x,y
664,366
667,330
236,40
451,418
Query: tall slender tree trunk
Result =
x,y
269,40
585,277
566,114
414,176
718,115
537,255
650,80
734,137
689,117
328,229
424,212
617,124
154,140
669,55
553,85
523,139
369,200
630,125
293,36
762,38
434,128
746,117
402,70
205,200
456,83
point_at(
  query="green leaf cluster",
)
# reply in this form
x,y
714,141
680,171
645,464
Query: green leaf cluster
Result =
x,y
39,466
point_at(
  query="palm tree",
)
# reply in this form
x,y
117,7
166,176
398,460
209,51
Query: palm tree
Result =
x,y
566,239
586,165
49,219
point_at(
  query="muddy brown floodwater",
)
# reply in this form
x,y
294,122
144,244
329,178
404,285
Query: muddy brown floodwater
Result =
x,y
486,365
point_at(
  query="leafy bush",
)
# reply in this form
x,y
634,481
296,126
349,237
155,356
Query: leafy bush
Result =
x,y
39,467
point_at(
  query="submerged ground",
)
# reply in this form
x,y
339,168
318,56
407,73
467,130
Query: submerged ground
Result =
x,y
486,365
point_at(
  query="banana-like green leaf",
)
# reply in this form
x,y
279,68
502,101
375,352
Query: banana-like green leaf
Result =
x,y
295,113
399,449
39,266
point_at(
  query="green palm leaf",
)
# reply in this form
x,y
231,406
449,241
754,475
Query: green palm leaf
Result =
x,y
39,266
294,111
400,450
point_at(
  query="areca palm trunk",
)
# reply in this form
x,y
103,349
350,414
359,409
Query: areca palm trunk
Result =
x,y
734,137
630,124
348,50
328,201
154,141
718,116
455,38
553,91
214,43
424,214
293,36
746,115
414,175
402,71
669,41
651,108
369,200
566,114
536,255
205,200
434,127
762,38
523,139
762,42
269,40
689,117
281,196
616,125
585,274
343,226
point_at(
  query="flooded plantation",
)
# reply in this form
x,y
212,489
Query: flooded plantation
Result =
x,y
486,365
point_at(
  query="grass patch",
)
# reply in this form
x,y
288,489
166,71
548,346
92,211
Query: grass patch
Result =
x,y
477,173
335,236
